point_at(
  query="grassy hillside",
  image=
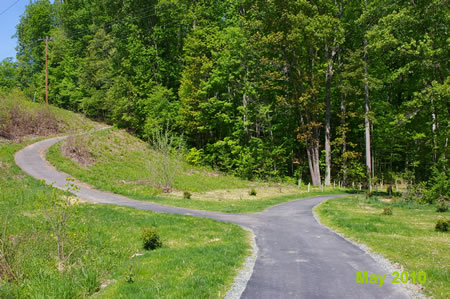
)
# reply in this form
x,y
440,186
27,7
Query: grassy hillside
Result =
x,y
104,252
20,118
115,161
406,237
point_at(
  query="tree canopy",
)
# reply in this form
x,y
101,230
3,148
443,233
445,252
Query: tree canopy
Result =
x,y
319,90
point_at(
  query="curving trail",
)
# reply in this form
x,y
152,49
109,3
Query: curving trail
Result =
x,y
297,258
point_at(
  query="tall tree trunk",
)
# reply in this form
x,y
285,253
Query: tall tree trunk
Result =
x,y
312,151
328,76
344,141
315,161
366,115
244,117
434,129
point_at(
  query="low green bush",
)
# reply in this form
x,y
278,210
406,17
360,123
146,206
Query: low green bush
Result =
x,y
252,192
187,195
415,193
150,239
441,206
442,225
387,211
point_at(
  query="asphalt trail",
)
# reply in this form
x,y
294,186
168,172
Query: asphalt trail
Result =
x,y
297,258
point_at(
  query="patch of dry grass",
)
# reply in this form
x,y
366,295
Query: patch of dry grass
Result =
x,y
263,191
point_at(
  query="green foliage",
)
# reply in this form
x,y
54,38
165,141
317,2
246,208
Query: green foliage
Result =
x,y
441,206
150,239
442,225
59,210
8,75
387,211
195,156
415,193
249,85
252,192
187,195
439,186
169,160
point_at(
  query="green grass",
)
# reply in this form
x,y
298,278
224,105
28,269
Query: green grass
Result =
x,y
124,165
237,206
123,161
407,237
199,257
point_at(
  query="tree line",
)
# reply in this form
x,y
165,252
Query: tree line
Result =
x,y
355,91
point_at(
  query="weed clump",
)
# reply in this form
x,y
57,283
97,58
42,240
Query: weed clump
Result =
x,y
252,192
187,195
18,120
387,211
442,225
441,206
75,148
150,239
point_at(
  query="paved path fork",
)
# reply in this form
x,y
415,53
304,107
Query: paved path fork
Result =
x,y
297,258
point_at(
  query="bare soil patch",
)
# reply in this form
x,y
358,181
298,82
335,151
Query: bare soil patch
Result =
x,y
75,148
18,122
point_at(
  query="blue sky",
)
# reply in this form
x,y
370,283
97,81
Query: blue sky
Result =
x,y
8,22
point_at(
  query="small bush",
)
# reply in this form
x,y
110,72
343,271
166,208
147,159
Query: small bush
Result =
x,y
442,225
150,239
252,192
387,211
441,206
415,193
187,195
18,119
389,190
75,148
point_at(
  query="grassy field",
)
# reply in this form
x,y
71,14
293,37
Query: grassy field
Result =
x,y
121,163
407,237
105,257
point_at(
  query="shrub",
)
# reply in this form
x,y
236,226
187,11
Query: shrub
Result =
x,y
252,192
186,195
195,156
169,160
439,185
387,211
75,148
415,193
389,190
150,239
18,119
442,225
441,206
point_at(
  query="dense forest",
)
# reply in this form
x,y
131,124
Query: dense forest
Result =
x,y
321,90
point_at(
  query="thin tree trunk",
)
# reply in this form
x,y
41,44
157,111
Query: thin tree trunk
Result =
x,y
366,115
244,117
328,76
434,130
344,142
315,161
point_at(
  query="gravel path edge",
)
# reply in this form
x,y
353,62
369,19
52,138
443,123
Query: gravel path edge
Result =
x,y
244,274
413,290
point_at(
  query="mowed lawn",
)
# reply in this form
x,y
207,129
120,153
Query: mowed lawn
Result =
x,y
407,237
